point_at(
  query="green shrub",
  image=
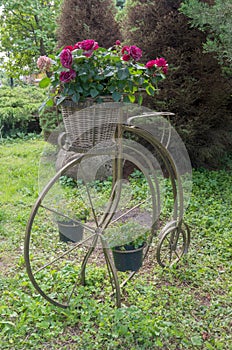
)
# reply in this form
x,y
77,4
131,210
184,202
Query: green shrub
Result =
x,y
90,19
216,23
195,89
19,109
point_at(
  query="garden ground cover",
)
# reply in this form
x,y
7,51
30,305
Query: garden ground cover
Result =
x,y
186,307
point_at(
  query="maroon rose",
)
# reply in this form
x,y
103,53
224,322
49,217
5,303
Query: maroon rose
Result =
x,y
95,46
162,63
66,77
135,52
150,64
126,49
66,58
126,57
88,44
126,53
77,45
165,69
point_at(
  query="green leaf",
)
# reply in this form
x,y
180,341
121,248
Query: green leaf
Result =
x,y
150,90
50,103
140,100
126,98
45,82
78,88
100,87
116,96
123,73
76,97
109,74
111,88
131,98
8,323
94,92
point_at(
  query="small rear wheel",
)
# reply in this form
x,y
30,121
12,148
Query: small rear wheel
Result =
x,y
173,244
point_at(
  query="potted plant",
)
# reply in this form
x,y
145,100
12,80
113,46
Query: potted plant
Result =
x,y
127,241
70,231
86,70
70,227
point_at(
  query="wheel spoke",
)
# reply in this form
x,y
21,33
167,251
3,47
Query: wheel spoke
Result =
x,y
72,292
64,254
177,254
166,254
175,251
128,211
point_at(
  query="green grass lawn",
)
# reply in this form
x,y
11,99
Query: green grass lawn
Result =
x,y
186,307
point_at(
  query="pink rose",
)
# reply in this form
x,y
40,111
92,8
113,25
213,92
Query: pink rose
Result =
x,y
44,63
160,62
126,57
126,53
95,46
126,49
66,77
66,58
88,44
118,42
150,64
77,45
165,69
135,52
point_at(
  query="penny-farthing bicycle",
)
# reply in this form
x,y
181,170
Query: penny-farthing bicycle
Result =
x,y
110,192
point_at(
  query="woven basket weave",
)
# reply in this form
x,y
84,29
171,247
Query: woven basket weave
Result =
x,y
88,124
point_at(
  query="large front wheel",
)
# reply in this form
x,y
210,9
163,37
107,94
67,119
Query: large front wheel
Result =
x,y
72,226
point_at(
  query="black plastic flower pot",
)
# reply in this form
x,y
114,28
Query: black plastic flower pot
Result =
x,y
128,260
70,231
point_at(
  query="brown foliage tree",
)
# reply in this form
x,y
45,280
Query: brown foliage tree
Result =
x,y
88,19
194,89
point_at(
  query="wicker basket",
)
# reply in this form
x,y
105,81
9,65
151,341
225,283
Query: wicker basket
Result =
x,y
88,124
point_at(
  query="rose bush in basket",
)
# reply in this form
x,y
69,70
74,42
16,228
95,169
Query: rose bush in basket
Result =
x,y
87,70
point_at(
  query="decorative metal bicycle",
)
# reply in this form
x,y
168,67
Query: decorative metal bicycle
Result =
x,y
121,156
